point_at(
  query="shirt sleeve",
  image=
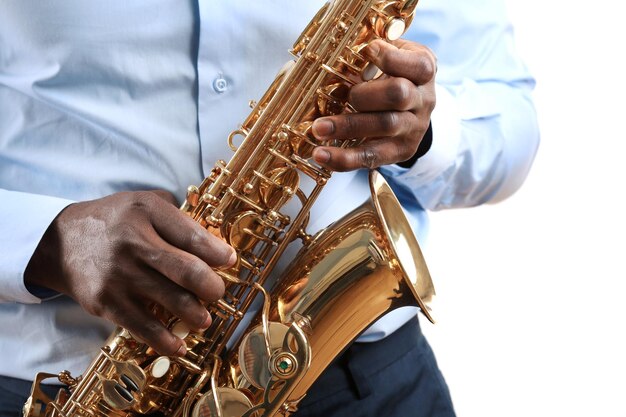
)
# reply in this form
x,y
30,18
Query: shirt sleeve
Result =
x,y
25,218
485,132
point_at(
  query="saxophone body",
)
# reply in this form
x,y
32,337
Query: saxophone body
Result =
x,y
344,278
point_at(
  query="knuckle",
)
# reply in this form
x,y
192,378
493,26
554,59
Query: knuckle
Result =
x,y
407,151
156,257
152,329
188,273
426,67
400,93
389,123
368,158
186,301
433,57
195,271
349,125
126,236
198,239
423,128
142,200
123,232
105,296
430,101
116,275
165,195
420,128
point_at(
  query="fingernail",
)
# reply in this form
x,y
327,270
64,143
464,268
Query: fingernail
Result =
x,y
323,128
372,50
207,322
233,259
321,156
182,350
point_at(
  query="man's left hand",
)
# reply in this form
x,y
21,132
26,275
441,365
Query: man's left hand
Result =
x,y
393,111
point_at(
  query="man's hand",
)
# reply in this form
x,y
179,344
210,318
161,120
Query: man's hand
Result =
x,y
393,110
119,255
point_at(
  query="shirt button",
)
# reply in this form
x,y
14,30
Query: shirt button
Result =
x,y
220,85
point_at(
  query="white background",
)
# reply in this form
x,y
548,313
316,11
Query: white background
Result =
x,y
531,302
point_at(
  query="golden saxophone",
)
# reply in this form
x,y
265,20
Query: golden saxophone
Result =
x,y
343,279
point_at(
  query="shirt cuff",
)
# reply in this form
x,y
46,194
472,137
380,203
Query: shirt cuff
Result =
x,y
24,218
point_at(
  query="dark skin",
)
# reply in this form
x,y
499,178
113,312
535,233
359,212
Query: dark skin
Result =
x,y
393,110
119,255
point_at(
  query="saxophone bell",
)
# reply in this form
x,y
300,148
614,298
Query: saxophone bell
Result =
x,y
353,272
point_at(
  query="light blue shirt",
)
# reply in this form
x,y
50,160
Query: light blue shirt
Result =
x,y
100,97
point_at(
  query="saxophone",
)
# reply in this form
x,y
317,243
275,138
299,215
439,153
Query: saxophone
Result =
x,y
367,262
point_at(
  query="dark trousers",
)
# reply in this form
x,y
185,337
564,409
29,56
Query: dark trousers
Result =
x,y
397,376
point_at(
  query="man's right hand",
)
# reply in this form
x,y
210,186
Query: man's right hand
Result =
x,y
118,255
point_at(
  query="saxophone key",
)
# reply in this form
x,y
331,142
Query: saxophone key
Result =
x,y
245,230
245,199
311,57
366,69
187,364
338,74
303,40
255,357
191,200
180,330
386,21
159,367
116,395
332,99
232,311
350,66
319,174
282,157
243,132
393,29
280,187
129,383
230,403
301,138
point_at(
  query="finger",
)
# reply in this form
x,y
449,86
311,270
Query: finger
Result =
x,y
413,61
186,270
181,303
184,233
361,125
147,329
167,196
385,94
371,154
